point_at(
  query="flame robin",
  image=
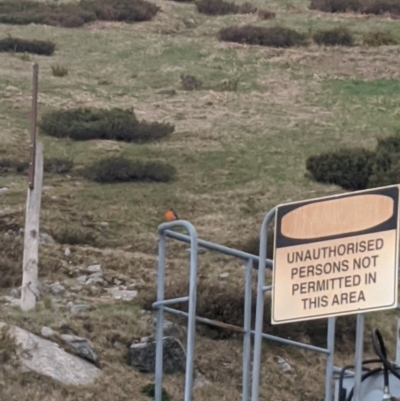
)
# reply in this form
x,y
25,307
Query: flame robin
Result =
x,y
170,215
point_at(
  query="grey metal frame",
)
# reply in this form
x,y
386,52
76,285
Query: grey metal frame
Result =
x,y
162,305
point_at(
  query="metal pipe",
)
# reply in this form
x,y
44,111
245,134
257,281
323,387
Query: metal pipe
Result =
x,y
255,389
155,305
160,316
247,330
329,360
218,248
358,357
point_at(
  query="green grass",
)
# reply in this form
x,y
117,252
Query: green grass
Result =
x,y
237,153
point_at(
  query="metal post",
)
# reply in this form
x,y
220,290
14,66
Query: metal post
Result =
x,y
160,317
192,313
255,390
32,150
247,331
358,357
329,360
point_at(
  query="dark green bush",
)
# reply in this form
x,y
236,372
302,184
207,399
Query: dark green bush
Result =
x,y
119,169
222,7
263,36
377,7
40,47
348,168
190,83
216,7
334,37
335,6
116,124
149,391
378,38
121,10
22,12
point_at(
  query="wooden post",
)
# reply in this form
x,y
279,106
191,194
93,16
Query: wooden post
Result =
x,y
29,292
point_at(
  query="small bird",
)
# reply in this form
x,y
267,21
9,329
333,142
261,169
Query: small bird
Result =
x,y
170,215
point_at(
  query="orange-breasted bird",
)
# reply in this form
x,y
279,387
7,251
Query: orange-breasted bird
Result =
x,y
170,215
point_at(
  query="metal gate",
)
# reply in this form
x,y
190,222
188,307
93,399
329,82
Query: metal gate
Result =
x,y
164,305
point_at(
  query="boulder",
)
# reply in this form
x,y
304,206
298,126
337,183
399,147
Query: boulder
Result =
x,y
47,358
142,356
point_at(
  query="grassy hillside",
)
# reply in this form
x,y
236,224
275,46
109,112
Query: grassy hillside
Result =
x,y
239,147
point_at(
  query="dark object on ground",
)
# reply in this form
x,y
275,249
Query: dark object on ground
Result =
x,y
377,7
348,168
41,47
142,356
266,14
115,124
263,36
334,37
119,169
190,83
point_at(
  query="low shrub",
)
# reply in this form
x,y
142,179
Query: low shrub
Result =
x,y
41,47
266,14
222,7
149,391
59,71
376,7
116,124
335,6
78,236
348,168
121,10
22,12
379,7
263,36
334,37
119,169
216,7
378,38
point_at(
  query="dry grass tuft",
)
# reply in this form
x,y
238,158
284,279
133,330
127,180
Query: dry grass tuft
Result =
x,y
378,38
190,83
263,36
41,47
334,37
59,71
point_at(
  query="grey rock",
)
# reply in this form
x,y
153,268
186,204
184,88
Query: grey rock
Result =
x,y
142,356
199,380
46,239
82,279
94,268
224,275
58,290
77,308
172,329
82,347
96,280
117,282
124,295
47,358
67,252
15,292
283,364
3,190
76,288
96,275
47,331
